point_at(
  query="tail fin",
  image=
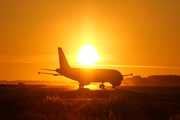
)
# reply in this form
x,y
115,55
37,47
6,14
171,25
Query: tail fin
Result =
x,y
62,59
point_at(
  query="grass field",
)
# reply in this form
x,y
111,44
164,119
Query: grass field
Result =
x,y
29,102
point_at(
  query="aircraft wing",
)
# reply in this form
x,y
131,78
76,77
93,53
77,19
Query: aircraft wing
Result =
x,y
122,75
128,74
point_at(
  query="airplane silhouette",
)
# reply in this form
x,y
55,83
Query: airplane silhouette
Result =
x,y
86,75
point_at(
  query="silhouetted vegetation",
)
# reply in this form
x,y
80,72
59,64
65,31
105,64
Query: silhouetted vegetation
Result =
x,y
120,104
154,80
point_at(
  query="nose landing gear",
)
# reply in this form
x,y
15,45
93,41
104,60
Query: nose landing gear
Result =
x,y
101,86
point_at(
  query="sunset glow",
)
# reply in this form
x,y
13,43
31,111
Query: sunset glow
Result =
x,y
88,55
133,37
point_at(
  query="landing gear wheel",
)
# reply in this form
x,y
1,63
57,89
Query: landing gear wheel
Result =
x,y
101,86
81,86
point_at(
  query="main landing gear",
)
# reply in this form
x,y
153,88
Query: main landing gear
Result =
x,y
81,86
101,86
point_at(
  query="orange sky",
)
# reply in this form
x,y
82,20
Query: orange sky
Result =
x,y
140,37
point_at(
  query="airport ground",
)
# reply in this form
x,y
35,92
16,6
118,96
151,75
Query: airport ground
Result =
x,y
68,102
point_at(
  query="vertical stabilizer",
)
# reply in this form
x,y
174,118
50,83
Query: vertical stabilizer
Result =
x,y
62,59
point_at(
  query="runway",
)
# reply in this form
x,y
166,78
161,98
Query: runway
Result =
x,y
23,92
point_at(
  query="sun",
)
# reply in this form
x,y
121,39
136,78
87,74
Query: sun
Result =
x,y
88,55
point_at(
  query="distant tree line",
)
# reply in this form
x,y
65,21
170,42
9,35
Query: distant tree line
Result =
x,y
153,80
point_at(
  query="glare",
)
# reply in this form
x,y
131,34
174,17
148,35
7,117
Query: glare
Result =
x,y
88,55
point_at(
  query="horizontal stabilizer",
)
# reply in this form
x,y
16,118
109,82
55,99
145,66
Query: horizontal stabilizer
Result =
x,y
48,73
47,69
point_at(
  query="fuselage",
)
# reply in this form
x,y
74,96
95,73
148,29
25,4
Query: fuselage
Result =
x,y
84,75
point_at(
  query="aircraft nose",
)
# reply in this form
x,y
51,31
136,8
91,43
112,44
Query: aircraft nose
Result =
x,y
121,78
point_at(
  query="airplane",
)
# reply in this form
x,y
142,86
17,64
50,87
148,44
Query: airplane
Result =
x,y
86,75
